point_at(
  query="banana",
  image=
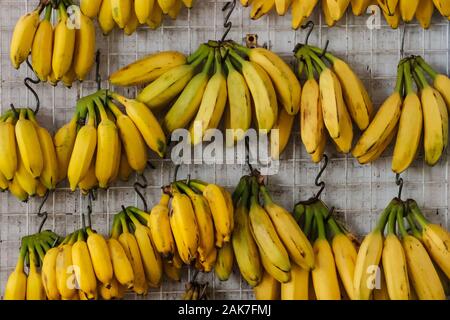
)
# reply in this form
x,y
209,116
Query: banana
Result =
x,y
42,48
26,180
262,91
189,101
394,261
83,268
147,69
246,3
90,180
286,84
16,190
111,292
184,226
324,275
105,18
210,261
64,141
64,44
28,145
392,20
8,148
282,6
408,9
151,259
65,277
107,146
171,271
156,17
268,288
301,10
22,37
84,52
146,123
359,7
125,169
368,259
338,8
270,246
52,79
35,287
384,122
69,78
3,183
121,11
175,9
381,293
132,24
101,259
422,273
389,6
279,140
443,7
188,3
166,5
49,274
41,190
212,104
224,262
123,270
327,14
410,128
311,117
90,8
297,288
296,243
239,111
221,209
244,246
143,9
424,13
16,285
83,151
204,221
261,8
435,238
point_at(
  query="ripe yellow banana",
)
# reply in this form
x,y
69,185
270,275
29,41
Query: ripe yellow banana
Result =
x,y
389,6
175,9
125,169
64,141
188,103
132,24
90,8
16,190
83,268
89,181
3,183
123,270
25,179
410,128
212,104
42,48
381,293
337,8
83,151
261,8
69,78
246,3
282,6
184,227
327,14
443,6
188,3
146,123
301,10
297,288
156,17
392,20
49,274
147,69
65,277
101,259
84,52
359,7
143,9
408,9
16,285
35,287
171,271
8,148
224,262
268,288
281,133
105,18
166,5
209,263
121,11
64,44
311,117
28,145
22,37
424,13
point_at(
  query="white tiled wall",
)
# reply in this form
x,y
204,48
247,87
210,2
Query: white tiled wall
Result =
x,y
358,192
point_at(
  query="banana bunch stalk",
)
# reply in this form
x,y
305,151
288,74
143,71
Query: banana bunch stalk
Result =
x,y
394,11
28,162
130,14
31,285
63,52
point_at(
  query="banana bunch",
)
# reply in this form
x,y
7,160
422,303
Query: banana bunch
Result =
x,y
406,259
330,104
28,163
130,14
195,291
64,52
30,286
101,143
407,115
334,10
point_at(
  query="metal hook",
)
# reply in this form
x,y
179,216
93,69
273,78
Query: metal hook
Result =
x,y
138,185
91,197
175,174
247,156
230,6
310,25
318,183
399,183
98,78
402,48
33,81
325,49
44,214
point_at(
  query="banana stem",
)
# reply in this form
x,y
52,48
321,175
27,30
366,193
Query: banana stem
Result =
x,y
200,59
243,201
209,61
218,61
399,83
32,256
421,77
31,116
391,220
73,238
412,226
40,251
123,221
412,205
140,213
91,111
62,11
134,220
196,53
101,109
114,109
384,217
48,12
116,227
266,196
81,235
327,55
254,192
425,66
401,224
317,60
408,78
309,215
242,185
23,114
299,211
185,188
197,184
309,68
241,48
322,234
334,227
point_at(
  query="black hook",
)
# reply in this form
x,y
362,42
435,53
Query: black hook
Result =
x,y
247,156
329,214
138,185
399,183
98,78
91,197
230,6
175,174
402,48
324,51
318,183
44,214
310,25
33,81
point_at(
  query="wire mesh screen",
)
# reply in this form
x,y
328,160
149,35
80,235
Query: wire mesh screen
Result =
x,y
358,192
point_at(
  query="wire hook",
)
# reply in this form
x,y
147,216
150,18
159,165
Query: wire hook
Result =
x,y
319,183
43,215
98,78
33,81
230,6
402,48
138,185
310,24
325,49
247,156
399,183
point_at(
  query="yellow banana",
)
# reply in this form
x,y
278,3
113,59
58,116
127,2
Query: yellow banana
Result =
x,y
392,20
297,288
443,7
146,123
101,259
175,9
22,37
359,7
261,8
424,13
125,169
84,52
121,11
16,190
90,8
105,18
8,148
64,44
89,181
25,179
224,262
83,268
49,274
156,17
337,8
408,9
3,183
381,293
123,270
389,6
171,271
132,24
282,6
311,117
268,288
246,3
42,48
16,285
209,263
64,141
166,5
327,14
69,78
65,277
35,287
279,140
301,10
143,9
188,3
